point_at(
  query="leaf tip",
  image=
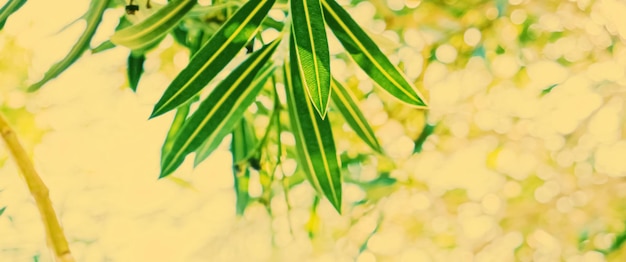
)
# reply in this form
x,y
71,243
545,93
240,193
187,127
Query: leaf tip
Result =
x,y
337,206
164,174
155,112
34,87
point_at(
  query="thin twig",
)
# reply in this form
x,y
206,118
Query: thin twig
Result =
x,y
39,191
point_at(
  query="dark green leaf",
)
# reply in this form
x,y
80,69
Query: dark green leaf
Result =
x,y
344,100
426,132
317,155
368,56
9,8
93,18
220,111
153,28
135,69
2,210
177,123
214,55
208,146
312,56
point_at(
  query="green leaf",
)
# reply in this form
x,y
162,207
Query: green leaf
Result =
x,y
312,55
153,28
220,111
344,100
9,8
177,123
214,55
106,45
209,146
135,69
426,132
242,144
368,56
2,210
93,18
315,146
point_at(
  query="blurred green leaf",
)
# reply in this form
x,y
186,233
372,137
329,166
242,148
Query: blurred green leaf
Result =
x,y
426,132
134,69
368,55
214,55
2,210
9,8
208,146
93,18
500,50
548,90
153,28
242,144
314,138
312,55
344,100
220,111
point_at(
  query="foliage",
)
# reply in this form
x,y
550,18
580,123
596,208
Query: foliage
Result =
x,y
519,152
218,115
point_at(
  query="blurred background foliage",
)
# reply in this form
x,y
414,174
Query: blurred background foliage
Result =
x,y
519,158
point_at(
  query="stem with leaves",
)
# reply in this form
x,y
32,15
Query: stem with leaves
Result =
x,y
39,191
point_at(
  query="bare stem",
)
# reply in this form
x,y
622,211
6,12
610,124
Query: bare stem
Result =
x,y
39,191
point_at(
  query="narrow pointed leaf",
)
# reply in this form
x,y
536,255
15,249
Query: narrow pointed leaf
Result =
x,y
214,55
107,44
93,18
177,123
242,144
2,210
313,58
135,69
220,111
9,8
209,146
315,146
368,56
344,100
153,28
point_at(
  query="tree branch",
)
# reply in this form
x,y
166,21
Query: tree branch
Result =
x,y
39,191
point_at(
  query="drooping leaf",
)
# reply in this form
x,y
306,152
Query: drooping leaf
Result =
x,y
93,18
220,111
312,55
209,146
243,142
368,56
315,145
9,8
344,100
134,69
153,28
214,55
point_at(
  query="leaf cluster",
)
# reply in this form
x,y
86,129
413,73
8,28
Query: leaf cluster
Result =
x,y
295,63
